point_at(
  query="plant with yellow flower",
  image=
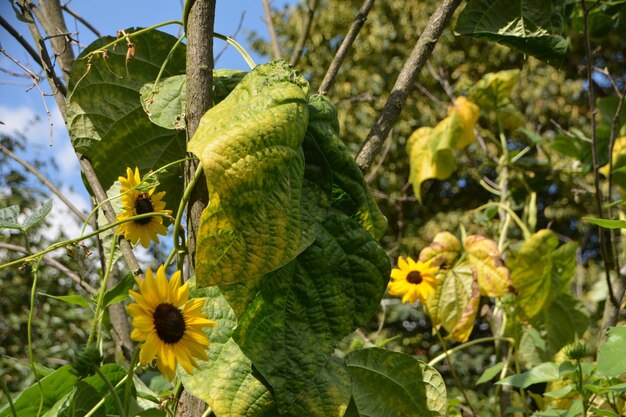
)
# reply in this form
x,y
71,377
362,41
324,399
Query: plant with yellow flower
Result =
x,y
413,280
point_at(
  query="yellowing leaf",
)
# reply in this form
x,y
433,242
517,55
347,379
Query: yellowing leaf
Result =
x,y
491,273
430,149
443,251
493,90
455,302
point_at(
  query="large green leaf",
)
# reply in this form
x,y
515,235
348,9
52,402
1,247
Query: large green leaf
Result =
x,y
303,309
391,384
250,146
540,271
55,387
165,104
531,26
455,303
105,118
612,354
226,381
485,258
350,192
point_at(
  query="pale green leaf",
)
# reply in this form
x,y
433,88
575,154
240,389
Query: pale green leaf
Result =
x,y
70,299
455,303
250,148
115,124
545,372
38,215
532,26
391,384
486,261
443,251
8,217
612,354
607,223
303,309
490,373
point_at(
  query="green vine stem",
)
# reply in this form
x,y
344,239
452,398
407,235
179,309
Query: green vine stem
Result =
x,y
129,379
103,290
102,400
78,239
7,394
31,314
455,349
111,388
514,216
238,47
162,69
178,246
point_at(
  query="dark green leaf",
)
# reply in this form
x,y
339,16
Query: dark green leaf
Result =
x,y
8,217
612,354
55,387
532,26
83,399
607,106
120,291
391,384
303,309
38,215
115,123
114,373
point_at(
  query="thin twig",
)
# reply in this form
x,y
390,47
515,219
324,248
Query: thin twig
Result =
x,y
379,164
405,82
81,20
304,35
21,40
45,182
234,35
54,264
347,42
604,242
272,31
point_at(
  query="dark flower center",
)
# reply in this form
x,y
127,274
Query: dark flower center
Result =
x,y
143,205
169,323
414,277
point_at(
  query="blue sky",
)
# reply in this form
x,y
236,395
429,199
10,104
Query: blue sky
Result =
x,y
22,110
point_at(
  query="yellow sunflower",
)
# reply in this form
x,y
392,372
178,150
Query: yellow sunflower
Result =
x,y
413,280
169,325
140,202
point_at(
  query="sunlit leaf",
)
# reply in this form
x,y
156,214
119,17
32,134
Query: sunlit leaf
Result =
x,y
532,26
391,384
250,146
8,217
490,373
443,251
431,149
120,291
303,309
115,124
612,354
455,303
493,90
485,259
607,223
71,299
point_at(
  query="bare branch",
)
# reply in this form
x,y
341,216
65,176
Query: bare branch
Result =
x,y
55,264
21,40
51,19
270,28
347,42
297,52
406,81
81,20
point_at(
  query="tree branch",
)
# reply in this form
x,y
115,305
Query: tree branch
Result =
x,y
200,22
347,42
45,182
51,18
405,82
270,28
81,20
55,264
21,40
297,52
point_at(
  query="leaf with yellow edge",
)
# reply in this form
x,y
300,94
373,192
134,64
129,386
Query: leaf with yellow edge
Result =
x,y
491,273
493,90
455,302
619,161
430,149
443,251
